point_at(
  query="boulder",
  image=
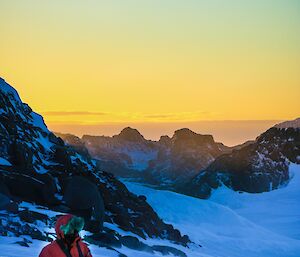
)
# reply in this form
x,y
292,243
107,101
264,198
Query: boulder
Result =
x,y
4,201
29,188
32,216
167,250
133,243
84,199
104,239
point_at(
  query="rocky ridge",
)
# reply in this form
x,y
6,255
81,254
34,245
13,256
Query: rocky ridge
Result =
x,y
38,167
258,167
163,163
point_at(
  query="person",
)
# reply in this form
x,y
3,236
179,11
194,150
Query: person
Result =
x,y
68,242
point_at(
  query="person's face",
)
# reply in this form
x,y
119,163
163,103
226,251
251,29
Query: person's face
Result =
x,y
70,238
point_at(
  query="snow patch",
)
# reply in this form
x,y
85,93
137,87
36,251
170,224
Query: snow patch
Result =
x,y
38,121
4,162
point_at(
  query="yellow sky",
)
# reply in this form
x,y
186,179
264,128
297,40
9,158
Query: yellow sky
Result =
x,y
96,62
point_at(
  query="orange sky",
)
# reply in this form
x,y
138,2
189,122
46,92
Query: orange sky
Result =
x,y
228,132
96,63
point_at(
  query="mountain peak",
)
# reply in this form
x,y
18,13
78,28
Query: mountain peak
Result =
x,y
184,131
289,124
187,134
9,90
130,134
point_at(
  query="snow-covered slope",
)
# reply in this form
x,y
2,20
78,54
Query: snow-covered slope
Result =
x,y
278,210
232,224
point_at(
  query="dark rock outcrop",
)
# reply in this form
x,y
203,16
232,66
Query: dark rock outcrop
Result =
x,y
181,157
258,167
167,250
83,197
133,243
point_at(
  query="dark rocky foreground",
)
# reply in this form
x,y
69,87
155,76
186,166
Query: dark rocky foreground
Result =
x,y
36,166
21,221
258,167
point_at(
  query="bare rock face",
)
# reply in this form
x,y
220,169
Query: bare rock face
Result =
x,y
289,124
130,134
124,155
257,167
181,157
37,166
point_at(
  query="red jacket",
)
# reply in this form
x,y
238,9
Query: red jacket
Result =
x,y
54,250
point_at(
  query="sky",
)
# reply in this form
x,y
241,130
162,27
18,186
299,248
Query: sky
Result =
x,y
96,66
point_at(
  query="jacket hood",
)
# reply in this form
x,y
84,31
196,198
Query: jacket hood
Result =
x,y
68,225
63,220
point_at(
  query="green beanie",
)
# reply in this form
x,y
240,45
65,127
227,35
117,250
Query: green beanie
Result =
x,y
75,223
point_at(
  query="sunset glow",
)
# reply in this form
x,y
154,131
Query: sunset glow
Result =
x,y
95,63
